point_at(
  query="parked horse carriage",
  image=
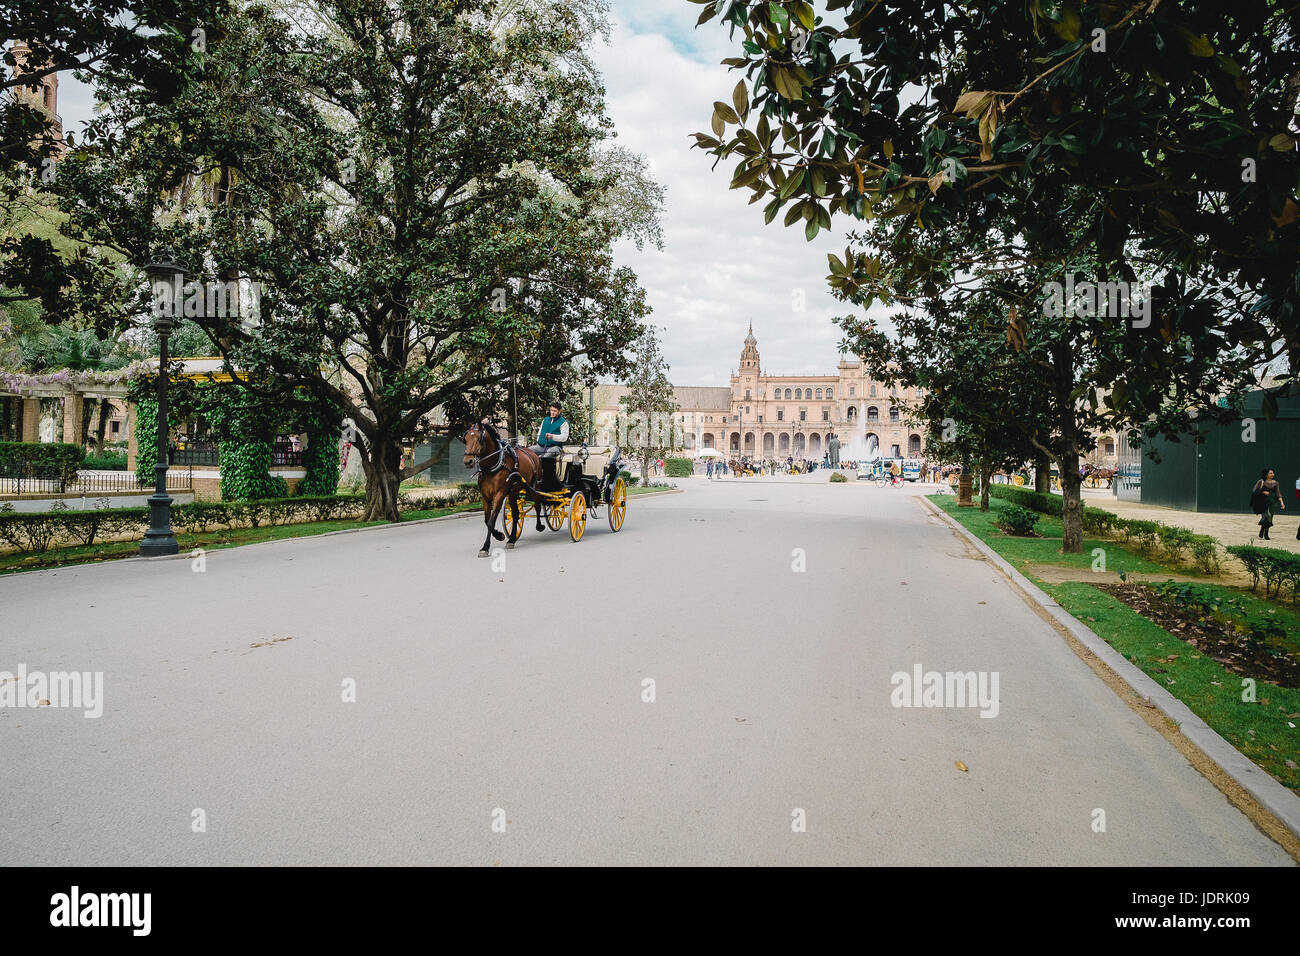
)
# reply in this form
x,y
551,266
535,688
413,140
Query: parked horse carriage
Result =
x,y
516,484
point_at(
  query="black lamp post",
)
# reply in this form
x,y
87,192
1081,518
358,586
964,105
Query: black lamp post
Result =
x,y
159,540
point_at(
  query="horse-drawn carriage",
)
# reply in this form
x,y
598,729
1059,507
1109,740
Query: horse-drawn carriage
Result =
x,y
575,497
517,484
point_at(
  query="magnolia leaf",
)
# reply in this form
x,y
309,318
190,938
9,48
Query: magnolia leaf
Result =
x,y
740,97
726,112
972,104
1282,143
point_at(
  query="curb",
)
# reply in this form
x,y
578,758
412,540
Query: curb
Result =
x,y
1272,795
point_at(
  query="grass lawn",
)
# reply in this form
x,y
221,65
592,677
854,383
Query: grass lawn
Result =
x,y
1021,552
1267,731
1261,730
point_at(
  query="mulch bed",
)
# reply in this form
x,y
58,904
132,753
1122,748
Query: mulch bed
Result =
x,y
1216,640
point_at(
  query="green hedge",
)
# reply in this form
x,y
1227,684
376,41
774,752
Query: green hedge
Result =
x,y
50,461
1027,498
109,461
63,527
678,468
1274,567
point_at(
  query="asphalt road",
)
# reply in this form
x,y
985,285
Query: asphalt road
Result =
x,y
516,697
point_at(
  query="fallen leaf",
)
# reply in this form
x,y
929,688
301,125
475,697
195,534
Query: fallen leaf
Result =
x,y
962,767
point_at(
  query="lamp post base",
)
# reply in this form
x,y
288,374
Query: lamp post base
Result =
x,y
158,540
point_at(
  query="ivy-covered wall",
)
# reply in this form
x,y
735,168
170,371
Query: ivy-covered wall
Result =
x,y
246,427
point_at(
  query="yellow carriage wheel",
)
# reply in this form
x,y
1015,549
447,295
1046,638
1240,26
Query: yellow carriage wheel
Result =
x,y
577,516
617,504
1019,481
554,514
513,528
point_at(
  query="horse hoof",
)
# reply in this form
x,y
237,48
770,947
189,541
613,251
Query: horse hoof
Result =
x,y
510,546
482,554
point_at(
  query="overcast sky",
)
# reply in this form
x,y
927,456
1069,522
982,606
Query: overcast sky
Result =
x,y
720,267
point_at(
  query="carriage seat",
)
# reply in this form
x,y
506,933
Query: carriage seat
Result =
x,y
597,458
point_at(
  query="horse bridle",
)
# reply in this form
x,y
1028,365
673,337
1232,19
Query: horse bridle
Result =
x,y
499,454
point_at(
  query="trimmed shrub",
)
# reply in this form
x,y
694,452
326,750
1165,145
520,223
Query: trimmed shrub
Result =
x,y
34,533
838,477
1272,566
49,461
1016,520
678,468
1027,498
109,461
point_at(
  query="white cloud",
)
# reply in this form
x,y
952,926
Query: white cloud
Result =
x,y
720,266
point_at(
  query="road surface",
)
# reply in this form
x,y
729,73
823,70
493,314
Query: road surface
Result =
x,y
503,716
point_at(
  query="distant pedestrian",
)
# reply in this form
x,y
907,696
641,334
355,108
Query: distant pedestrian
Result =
x,y
1261,500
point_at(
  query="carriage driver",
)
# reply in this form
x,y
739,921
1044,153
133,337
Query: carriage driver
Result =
x,y
552,435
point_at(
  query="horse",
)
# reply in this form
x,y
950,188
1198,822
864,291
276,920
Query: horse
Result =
x,y
503,471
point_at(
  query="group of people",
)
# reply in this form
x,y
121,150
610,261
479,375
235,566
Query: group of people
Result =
x,y
739,467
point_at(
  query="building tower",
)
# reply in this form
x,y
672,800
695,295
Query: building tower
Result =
x,y
43,97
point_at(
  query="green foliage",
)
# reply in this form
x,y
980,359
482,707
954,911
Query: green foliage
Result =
x,y
1255,626
678,467
34,533
1013,519
1046,504
245,471
1273,567
47,460
492,253
146,437
109,461
838,477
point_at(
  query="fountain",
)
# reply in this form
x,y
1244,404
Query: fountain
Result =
x,y
856,445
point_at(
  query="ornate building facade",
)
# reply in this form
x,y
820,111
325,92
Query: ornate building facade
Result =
x,y
763,415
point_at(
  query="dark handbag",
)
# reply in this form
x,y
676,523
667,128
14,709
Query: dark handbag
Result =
x,y
1259,501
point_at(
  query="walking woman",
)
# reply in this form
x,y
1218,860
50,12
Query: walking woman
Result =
x,y
1261,499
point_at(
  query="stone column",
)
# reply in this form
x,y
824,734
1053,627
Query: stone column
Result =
x,y
73,413
30,426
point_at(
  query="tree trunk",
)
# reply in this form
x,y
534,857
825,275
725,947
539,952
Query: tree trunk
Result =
x,y
101,426
1043,476
986,472
1071,505
383,469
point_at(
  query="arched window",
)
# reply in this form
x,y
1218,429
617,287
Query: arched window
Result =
x,y
893,414
819,393
787,393
873,414
913,446
830,393
798,393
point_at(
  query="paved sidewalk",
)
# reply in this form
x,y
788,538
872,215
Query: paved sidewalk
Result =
x,y
1228,528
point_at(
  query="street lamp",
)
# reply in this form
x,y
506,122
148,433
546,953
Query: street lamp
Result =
x,y
159,539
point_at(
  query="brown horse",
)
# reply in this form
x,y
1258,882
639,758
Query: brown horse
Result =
x,y
503,472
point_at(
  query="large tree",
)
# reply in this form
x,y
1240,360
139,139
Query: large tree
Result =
x,y
1176,120
420,191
